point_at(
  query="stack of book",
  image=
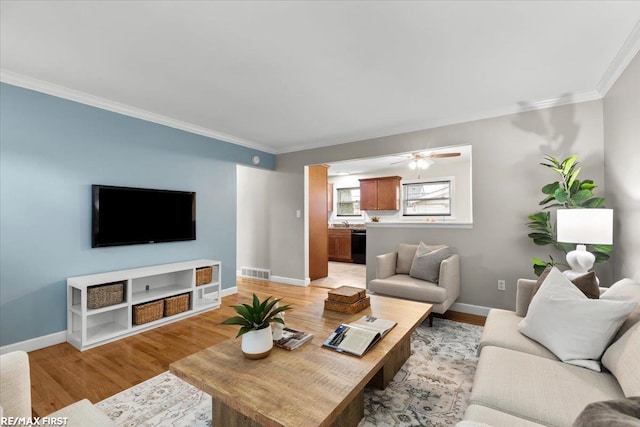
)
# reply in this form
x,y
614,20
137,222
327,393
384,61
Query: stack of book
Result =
x,y
347,299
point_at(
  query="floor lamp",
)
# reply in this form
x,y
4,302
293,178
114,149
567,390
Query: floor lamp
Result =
x,y
583,226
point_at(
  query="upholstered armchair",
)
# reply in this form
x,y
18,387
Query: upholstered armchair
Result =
x,y
393,278
15,396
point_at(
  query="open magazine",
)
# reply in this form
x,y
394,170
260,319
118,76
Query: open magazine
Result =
x,y
358,337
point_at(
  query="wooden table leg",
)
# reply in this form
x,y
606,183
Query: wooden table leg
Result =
x,y
224,415
396,359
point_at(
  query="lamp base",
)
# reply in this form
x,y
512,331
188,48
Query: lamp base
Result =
x,y
580,261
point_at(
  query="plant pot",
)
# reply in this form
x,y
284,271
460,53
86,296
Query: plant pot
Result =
x,y
257,344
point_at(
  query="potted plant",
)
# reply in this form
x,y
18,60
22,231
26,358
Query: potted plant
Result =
x,y
568,192
255,325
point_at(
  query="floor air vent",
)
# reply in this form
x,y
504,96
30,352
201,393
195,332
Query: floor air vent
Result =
x,y
255,273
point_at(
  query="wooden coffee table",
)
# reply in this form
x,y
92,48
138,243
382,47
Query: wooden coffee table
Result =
x,y
309,386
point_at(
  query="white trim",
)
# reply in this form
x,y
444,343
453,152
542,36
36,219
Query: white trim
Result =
x,y
478,310
407,224
23,81
36,343
228,291
625,55
291,281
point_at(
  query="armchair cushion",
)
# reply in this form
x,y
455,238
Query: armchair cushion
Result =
x,y
426,263
406,253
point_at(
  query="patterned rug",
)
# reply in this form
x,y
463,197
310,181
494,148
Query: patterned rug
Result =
x,y
431,389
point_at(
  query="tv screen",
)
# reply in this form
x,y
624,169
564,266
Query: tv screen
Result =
x,y
129,216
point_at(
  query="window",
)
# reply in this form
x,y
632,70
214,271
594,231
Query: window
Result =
x,y
349,201
431,198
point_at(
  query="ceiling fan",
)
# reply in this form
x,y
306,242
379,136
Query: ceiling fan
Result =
x,y
422,160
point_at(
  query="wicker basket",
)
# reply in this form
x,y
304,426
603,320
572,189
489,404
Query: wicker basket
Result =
x,y
148,312
177,304
204,275
105,295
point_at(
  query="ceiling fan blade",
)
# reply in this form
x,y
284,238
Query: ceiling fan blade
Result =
x,y
401,161
442,155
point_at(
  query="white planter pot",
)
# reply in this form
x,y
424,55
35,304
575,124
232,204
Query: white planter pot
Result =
x,y
257,344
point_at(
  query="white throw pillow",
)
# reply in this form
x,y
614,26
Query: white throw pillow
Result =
x,y
575,328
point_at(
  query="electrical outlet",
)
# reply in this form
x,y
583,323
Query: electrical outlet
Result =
x,y
501,285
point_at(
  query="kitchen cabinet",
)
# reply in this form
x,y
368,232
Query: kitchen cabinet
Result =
x,y
380,194
340,245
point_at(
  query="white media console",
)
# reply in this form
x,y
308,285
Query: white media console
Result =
x,y
87,327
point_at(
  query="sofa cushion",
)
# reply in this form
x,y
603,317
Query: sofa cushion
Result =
x,y
622,359
484,416
538,389
15,384
576,329
501,330
587,283
618,413
426,263
625,289
404,286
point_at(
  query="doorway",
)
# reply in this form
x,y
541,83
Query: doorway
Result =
x,y
343,274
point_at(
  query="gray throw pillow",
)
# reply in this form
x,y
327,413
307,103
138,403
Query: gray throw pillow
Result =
x,y
426,264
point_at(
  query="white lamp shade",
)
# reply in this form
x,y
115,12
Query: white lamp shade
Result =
x,y
585,226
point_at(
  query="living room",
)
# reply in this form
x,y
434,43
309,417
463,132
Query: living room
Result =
x,y
70,118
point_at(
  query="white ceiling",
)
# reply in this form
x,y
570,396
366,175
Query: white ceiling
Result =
x,y
284,76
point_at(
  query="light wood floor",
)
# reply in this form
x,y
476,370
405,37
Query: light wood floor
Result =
x,y
343,274
61,375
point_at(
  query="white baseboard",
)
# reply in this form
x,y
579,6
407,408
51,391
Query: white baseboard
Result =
x,y
228,291
290,281
470,309
35,343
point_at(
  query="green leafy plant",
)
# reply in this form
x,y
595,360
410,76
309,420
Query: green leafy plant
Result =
x,y
256,316
568,192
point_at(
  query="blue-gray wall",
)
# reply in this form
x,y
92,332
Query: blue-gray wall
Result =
x,y
51,151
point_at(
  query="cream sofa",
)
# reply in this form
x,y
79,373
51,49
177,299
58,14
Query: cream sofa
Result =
x,y
392,279
518,382
15,397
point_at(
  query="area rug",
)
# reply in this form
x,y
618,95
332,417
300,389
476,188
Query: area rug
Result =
x,y
431,389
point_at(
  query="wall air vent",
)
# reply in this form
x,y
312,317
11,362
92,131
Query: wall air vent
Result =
x,y
255,273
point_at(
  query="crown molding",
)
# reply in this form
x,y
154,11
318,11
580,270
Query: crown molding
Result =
x,y
570,98
625,55
26,82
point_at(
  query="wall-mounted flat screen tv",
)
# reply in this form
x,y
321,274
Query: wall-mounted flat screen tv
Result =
x,y
130,216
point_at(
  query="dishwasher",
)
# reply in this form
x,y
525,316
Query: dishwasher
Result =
x,y
359,246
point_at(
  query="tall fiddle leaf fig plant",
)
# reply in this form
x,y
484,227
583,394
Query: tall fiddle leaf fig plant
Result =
x,y
568,192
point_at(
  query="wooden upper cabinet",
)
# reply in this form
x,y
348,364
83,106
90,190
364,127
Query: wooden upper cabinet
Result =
x,y
368,194
380,194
